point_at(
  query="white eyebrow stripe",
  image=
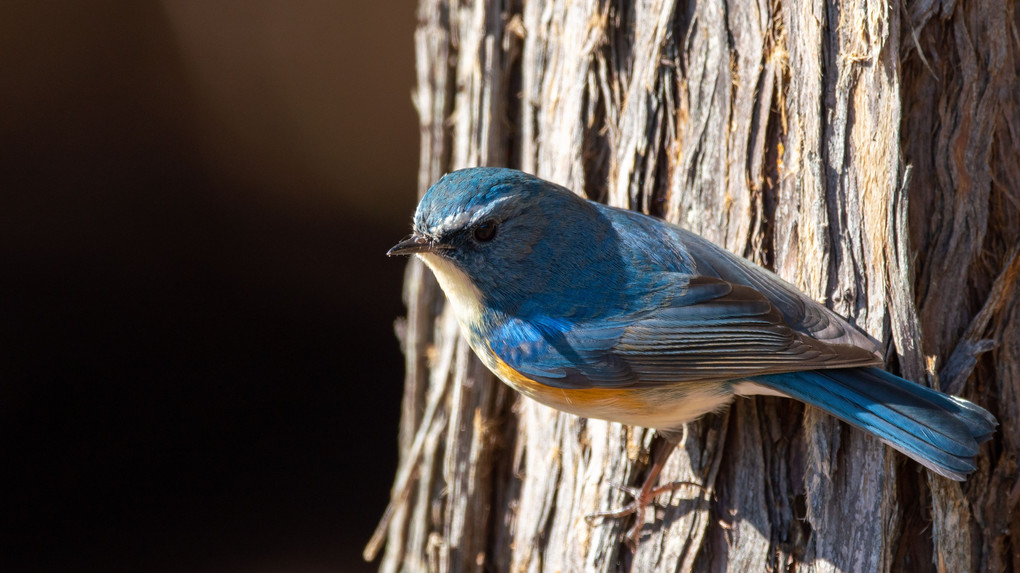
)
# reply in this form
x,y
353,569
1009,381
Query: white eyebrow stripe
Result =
x,y
467,218
451,222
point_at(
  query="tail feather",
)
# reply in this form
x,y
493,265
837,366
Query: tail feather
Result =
x,y
939,431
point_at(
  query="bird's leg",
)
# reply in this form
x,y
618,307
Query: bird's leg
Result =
x,y
644,496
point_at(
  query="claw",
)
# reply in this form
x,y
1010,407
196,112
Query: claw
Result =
x,y
626,510
631,491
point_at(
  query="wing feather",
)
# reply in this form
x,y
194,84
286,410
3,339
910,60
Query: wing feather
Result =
x,y
709,330
801,313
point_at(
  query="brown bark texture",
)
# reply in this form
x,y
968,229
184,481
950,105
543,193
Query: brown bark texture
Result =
x,y
867,152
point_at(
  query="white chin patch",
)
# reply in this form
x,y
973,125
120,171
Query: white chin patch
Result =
x,y
463,293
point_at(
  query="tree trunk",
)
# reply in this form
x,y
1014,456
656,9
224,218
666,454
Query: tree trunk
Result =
x,y
868,153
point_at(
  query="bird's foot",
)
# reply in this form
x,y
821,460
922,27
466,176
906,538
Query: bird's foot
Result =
x,y
643,497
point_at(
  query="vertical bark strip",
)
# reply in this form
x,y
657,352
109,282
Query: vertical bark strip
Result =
x,y
869,152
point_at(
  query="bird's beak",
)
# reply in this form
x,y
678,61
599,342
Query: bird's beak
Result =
x,y
410,245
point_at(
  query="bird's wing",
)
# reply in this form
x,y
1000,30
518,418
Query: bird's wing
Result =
x,y
561,355
800,313
710,330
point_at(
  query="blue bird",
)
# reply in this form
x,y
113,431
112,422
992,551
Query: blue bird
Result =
x,y
611,314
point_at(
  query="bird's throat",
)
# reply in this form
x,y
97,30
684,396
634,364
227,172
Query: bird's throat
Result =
x,y
462,292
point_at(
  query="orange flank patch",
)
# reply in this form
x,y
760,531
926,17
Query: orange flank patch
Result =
x,y
566,398
663,406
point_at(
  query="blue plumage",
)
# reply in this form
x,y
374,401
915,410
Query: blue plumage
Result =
x,y
939,431
608,313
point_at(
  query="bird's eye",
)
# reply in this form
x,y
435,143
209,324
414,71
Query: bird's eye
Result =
x,y
485,231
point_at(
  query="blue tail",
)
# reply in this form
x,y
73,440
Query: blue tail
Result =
x,y
939,431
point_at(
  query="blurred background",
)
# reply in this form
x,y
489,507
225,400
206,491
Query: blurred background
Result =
x,y
198,370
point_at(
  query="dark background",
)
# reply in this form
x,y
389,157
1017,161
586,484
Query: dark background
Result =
x,y
198,370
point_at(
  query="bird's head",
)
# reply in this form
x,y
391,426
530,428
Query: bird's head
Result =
x,y
506,239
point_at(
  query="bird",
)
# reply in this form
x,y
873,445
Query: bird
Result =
x,y
611,314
